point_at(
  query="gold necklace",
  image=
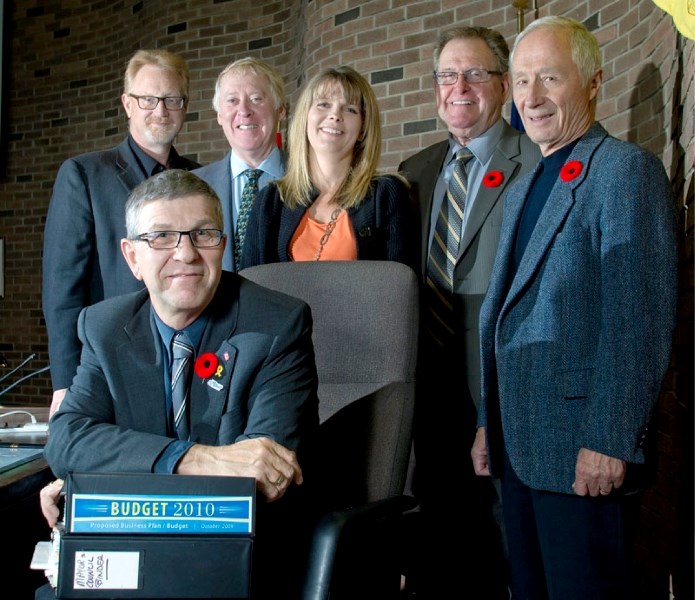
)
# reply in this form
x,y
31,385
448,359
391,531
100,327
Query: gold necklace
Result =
x,y
330,226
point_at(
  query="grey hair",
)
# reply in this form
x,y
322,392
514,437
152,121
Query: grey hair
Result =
x,y
171,184
494,40
586,53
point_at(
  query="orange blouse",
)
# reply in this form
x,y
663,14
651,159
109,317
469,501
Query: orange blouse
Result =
x,y
306,240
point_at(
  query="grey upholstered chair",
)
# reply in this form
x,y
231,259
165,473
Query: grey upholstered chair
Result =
x,y
365,338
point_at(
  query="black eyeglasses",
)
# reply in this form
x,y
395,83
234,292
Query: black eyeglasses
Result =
x,y
166,240
151,102
471,76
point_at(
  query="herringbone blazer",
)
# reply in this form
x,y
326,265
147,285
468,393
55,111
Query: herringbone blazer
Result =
x,y
574,348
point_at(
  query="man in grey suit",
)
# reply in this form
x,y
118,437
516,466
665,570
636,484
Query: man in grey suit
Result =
x,y
252,408
250,102
575,329
471,85
81,260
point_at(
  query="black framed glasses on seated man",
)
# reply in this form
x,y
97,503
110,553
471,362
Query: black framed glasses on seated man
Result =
x,y
166,240
470,75
151,102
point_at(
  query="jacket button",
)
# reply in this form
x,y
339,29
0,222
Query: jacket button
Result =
x,y
365,231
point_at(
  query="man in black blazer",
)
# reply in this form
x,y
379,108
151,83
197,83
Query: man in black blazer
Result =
x,y
252,406
81,260
471,85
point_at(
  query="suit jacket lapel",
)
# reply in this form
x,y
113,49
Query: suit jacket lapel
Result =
x,y
210,396
125,161
549,223
488,196
505,160
222,184
219,176
140,362
555,211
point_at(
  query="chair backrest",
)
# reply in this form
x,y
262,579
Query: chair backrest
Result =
x,y
365,338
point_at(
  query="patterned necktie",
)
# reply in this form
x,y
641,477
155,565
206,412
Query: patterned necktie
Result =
x,y
444,252
247,196
181,367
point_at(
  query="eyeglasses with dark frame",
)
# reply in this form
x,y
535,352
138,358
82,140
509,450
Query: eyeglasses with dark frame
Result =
x,y
470,75
168,240
151,102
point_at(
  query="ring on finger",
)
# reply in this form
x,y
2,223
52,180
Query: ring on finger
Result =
x,y
280,481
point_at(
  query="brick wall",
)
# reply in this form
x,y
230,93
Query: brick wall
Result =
x,y
64,77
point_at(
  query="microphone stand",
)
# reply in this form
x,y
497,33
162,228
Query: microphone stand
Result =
x,y
21,379
25,377
24,362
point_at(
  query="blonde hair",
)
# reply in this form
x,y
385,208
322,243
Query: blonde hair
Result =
x,y
296,187
159,58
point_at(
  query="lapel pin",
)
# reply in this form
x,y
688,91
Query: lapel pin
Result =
x,y
215,385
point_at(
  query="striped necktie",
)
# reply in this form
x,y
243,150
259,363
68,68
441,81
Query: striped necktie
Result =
x,y
247,196
181,368
444,252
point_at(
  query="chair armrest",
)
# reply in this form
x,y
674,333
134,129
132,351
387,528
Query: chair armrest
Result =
x,y
331,527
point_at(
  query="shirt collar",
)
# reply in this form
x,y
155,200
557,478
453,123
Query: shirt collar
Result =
x,y
149,165
194,331
482,146
272,164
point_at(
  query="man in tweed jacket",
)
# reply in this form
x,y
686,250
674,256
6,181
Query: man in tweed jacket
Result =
x,y
575,328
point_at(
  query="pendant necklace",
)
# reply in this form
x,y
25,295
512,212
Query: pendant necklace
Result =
x,y
330,226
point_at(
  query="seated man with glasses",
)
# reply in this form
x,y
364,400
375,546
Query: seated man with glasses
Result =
x,y
81,261
253,415
471,86
166,240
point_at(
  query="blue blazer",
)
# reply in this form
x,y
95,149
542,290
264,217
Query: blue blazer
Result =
x,y
574,349
114,417
219,176
82,260
382,223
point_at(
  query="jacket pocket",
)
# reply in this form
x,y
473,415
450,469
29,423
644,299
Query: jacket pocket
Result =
x,y
574,384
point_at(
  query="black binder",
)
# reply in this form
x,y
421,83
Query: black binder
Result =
x,y
125,550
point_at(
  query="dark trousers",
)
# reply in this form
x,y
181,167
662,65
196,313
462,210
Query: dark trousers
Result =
x,y
565,547
454,545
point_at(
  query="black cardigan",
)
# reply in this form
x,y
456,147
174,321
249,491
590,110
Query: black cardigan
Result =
x,y
383,225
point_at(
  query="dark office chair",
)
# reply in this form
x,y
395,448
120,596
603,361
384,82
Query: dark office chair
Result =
x,y
365,337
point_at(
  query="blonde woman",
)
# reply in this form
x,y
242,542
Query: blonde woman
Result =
x,y
331,204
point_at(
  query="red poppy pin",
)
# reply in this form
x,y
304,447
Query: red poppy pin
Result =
x,y
493,179
570,170
206,365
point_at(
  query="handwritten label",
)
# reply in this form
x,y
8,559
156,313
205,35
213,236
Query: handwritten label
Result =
x,y
99,570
